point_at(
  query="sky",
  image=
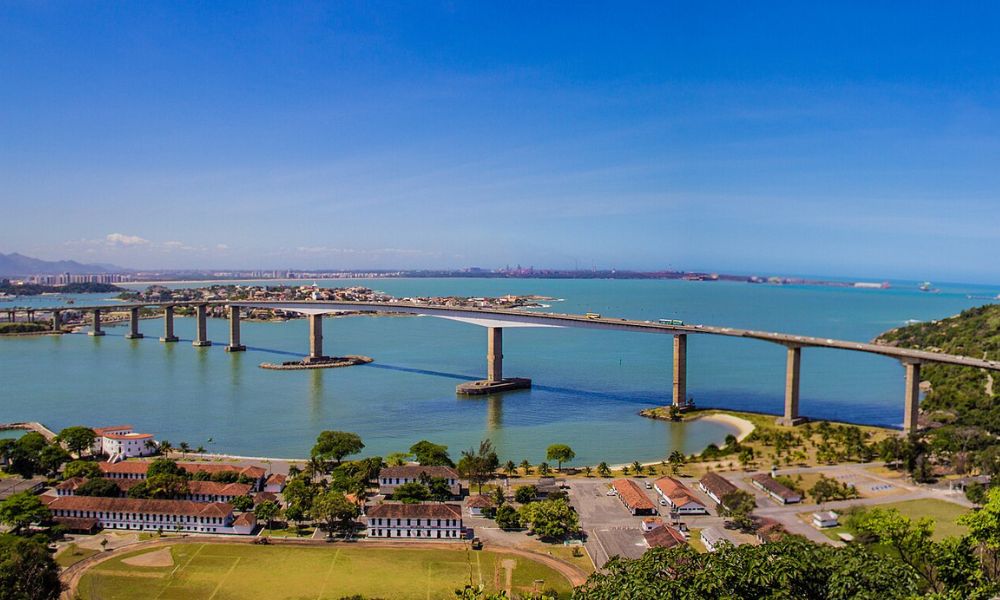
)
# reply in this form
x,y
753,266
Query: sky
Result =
x,y
851,138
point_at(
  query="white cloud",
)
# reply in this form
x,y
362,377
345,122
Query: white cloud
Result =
x,y
120,239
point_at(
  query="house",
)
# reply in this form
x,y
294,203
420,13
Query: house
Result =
x,y
822,520
716,486
478,505
390,478
664,536
136,469
416,521
678,497
121,442
634,499
151,515
651,523
769,530
712,538
778,492
275,483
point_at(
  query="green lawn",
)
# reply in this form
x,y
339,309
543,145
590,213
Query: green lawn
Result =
x,y
73,554
944,514
240,571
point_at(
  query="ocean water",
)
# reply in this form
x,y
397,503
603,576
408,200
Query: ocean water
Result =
x,y
589,385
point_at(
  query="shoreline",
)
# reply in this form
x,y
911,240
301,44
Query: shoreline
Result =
x,y
743,427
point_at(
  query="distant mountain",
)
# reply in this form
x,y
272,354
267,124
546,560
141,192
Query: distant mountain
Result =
x,y
18,264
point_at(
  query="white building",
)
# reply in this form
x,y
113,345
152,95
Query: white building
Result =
x,y
712,539
121,442
679,497
822,520
416,521
86,512
390,478
275,483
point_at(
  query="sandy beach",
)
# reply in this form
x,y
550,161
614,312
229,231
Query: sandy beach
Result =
x,y
743,427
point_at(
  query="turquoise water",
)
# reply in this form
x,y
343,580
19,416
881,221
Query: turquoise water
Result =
x,y
589,385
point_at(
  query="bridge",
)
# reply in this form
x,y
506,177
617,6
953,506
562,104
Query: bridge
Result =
x,y
496,319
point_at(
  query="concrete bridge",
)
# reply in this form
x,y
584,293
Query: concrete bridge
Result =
x,y
495,320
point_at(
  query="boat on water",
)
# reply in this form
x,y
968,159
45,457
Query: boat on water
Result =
x,y
925,286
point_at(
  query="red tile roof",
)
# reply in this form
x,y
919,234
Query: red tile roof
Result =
x,y
680,494
774,487
218,489
141,466
132,505
276,479
128,436
632,495
664,537
245,519
416,511
718,485
102,430
77,523
480,502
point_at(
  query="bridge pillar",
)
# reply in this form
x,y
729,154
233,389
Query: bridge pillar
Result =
x,y
168,325
792,381
56,320
680,370
133,325
315,339
96,329
31,316
201,328
911,408
234,331
494,354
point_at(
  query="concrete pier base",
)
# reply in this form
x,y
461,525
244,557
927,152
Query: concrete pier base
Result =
x,y
96,331
792,382
234,331
168,325
484,386
201,328
133,325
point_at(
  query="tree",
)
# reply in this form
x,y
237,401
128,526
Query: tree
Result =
x,y
184,447
22,509
162,486
430,454
439,489
299,493
507,518
100,487
242,503
510,468
910,540
550,519
336,511
267,511
827,488
603,470
525,494
676,460
165,447
165,466
497,496
397,459
51,458
411,493
560,453
82,468
975,492
479,466
544,469
77,439
27,570
526,467
23,455
335,445
588,471
738,506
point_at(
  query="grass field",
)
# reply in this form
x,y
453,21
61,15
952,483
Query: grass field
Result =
x,y
945,516
240,571
74,554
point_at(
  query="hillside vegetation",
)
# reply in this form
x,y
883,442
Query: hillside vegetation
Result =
x,y
960,394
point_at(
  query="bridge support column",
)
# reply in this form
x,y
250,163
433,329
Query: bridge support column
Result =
x,y
911,408
201,328
792,381
680,370
234,331
133,325
56,320
96,329
494,354
31,316
316,339
168,325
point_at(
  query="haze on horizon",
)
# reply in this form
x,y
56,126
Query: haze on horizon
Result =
x,y
852,139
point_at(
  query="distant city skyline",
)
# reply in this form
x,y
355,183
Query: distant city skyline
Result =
x,y
854,140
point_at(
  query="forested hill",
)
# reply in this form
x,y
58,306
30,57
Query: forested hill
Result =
x,y
970,396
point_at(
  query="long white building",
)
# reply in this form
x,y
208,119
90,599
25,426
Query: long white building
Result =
x,y
87,512
416,521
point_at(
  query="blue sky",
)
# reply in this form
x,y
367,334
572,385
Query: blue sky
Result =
x,y
855,139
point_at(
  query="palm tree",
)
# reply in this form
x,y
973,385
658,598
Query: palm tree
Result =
x,y
165,447
588,471
604,470
510,468
625,470
184,447
526,466
199,450
637,467
544,469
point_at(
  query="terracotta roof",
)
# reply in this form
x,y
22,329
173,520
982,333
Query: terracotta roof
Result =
x,y
219,489
414,471
480,502
679,494
127,436
132,505
415,511
771,485
141,466
264,497
245,519
72,483
77,523
664,537
129,467
276,479
718,485
101,430
631,495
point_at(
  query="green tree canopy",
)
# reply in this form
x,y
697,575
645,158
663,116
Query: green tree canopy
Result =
x,y
335,445
335,510
507,518
411,493
22,509
560,453
27,570
82,468
165,466
550,519
99,486
430,454
51,458
479,465
78,439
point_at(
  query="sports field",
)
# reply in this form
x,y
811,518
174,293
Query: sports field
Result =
x,y
241,571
